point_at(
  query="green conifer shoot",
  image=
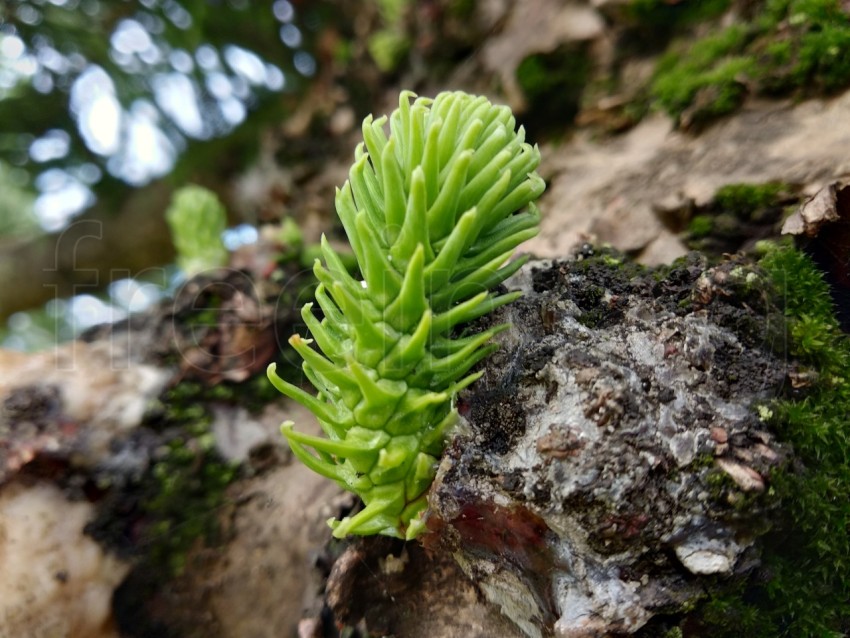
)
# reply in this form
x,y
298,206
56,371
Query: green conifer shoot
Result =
x,y
433,212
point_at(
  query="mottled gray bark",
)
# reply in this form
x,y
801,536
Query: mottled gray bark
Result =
x,y
612,459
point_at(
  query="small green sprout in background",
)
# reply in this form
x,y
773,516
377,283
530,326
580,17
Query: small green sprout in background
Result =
x,y
433,211
390,43
290,235
197,219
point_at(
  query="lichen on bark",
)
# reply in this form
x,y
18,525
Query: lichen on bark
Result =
x,y
614,464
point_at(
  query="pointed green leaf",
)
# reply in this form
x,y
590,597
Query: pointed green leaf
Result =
x,y
431,161
408,351
442,214
322,410
380,396
382,281
394,194
483,279
449,136
319,466
334,319
347,212
471,309
411,302
450,376
415,143
375,139
328,369
503,246
439,271
365,197
484,180
415,228
327,341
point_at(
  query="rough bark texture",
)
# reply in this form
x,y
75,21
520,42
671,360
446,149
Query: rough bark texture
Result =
x,y
612,456
599,437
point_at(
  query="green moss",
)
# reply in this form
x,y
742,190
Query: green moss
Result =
x,y
206,317
737,214
462,8
197,219
700,226
744,200
389,45
662,13
553,83
791,46
804,589
724,491
190,481
711,63
156,518
388,48
819,33
186,484
726,616
185,402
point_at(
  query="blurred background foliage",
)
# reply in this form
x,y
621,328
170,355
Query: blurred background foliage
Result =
x,y
98,95
99,101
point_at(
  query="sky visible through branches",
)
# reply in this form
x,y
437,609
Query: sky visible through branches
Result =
x,y
138,81
102,96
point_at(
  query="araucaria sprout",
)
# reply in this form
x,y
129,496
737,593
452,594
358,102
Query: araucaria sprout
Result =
x,y
433,213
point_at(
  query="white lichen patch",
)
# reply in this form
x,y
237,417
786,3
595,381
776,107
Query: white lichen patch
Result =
x,y
614,603
103,392
502,588
56,581
701,554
